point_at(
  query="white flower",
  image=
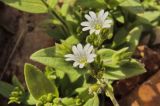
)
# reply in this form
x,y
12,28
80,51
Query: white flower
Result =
x,y
95,22
81,55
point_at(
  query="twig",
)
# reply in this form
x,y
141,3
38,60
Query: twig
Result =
x,y
21,34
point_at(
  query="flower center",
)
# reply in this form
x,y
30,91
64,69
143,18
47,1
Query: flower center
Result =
x,y
98,26
83,60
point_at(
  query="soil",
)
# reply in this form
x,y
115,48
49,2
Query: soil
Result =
x,y
21,35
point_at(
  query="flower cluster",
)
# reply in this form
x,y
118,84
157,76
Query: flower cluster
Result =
x,y
95,23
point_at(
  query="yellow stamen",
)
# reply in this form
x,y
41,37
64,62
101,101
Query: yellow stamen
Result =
x,y
98,26
83,60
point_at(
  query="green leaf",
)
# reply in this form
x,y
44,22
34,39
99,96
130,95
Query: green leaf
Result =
x,y
133,38
54,57
50,73
112,3
65,46
52,3
106,55
132,6
49,58
32,6
122,56
29,99
64,9
151,4
119,37
112,58
64,84
93,101
95,3
37,83
148,17
133,68
5,89
118,16
83,92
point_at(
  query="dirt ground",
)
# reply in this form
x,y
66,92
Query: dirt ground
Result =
x,y
21,35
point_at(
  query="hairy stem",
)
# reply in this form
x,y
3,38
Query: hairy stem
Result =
x,y
61,20
65,26
110,94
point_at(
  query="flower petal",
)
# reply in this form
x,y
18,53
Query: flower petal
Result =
x,y
80,49
75,50
69,59
85,23
92,14
81,65
100,14
86,47
86,28
109,21
75,64
106,26
92,31
93,55
69,55
88,17
90,60
105,15
89,49
97,32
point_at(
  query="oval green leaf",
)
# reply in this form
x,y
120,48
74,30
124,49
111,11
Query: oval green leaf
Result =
x,y
37,83
93,101
133,68
31,6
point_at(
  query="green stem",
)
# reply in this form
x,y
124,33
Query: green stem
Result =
x,y
61,20
65,26
110,94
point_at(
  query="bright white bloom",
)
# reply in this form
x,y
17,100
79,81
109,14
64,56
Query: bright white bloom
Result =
x,y
81,55
96,22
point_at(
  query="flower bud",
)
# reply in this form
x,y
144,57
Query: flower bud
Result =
x,y
43,99
49,97
39,103
56,100
48,104
15,93
96,88
78,102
